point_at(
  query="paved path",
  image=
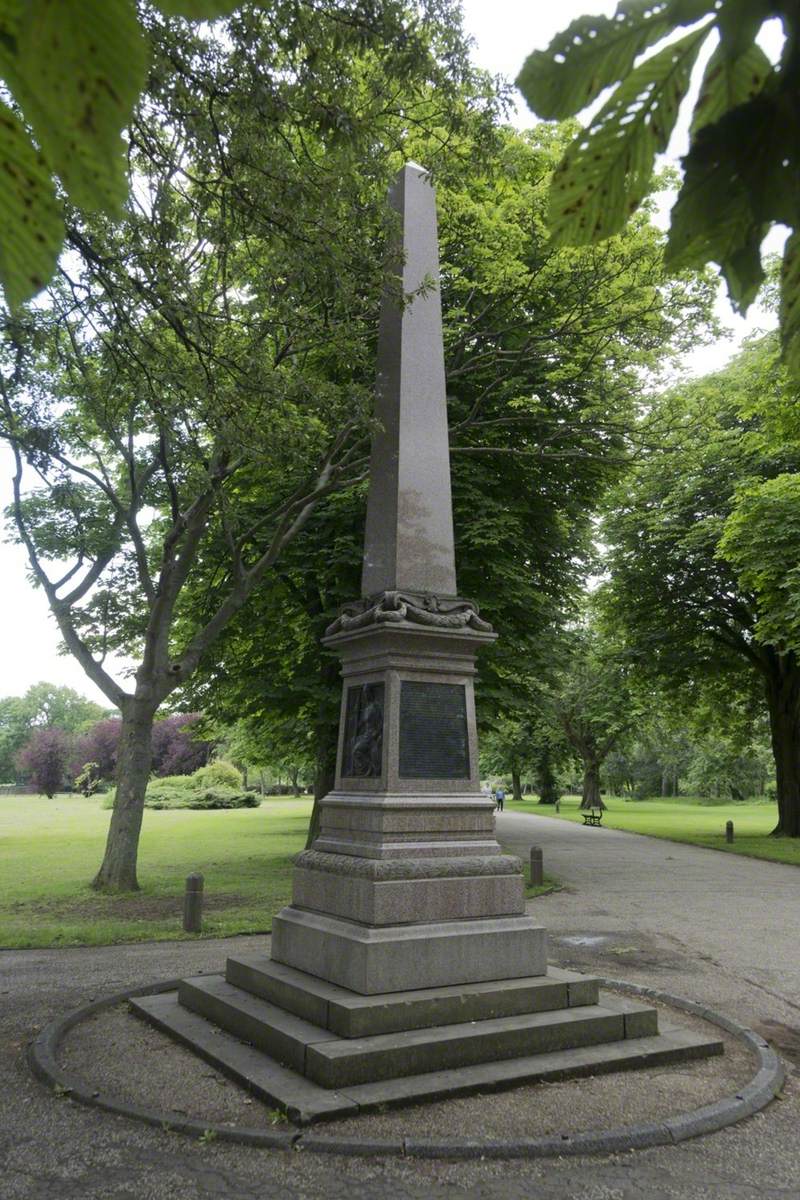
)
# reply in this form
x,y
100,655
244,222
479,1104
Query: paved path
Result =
x,y
714,927
739,913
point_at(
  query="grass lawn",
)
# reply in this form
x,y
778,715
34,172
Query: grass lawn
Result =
x,y
685,819
50,849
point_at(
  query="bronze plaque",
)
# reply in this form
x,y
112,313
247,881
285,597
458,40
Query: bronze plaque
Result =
x,y
362,751
433,731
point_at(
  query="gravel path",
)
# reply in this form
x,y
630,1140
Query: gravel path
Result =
x,y
714,927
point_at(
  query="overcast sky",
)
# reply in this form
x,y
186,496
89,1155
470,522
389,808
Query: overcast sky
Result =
x,y
505,31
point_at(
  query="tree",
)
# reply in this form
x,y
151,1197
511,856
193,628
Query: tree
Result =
x,y
506,749
543,357
761,540
209,347
43,705
742,170
527,744
176,747
99,745
662,751
723,768
44,759
687,602
594,705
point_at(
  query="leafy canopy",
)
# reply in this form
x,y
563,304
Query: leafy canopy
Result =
x,y
74,69
716,445
742,171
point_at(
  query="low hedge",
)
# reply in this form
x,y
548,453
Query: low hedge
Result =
x,y
159,796
218,785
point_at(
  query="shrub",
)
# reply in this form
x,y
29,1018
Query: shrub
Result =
x,y
178,783
221,797
160,797
88,780
187,792
209,787
219,774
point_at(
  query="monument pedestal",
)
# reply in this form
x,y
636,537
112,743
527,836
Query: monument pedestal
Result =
x,y
406,885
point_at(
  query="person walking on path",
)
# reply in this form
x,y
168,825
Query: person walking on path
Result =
x,y
499,798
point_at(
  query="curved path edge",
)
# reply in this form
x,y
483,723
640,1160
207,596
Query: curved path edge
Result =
x,y
754,1096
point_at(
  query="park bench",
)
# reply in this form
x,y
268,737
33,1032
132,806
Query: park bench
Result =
x,y
593,816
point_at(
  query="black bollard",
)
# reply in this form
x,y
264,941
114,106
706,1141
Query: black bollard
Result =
x,y
193,903
537,866
729,831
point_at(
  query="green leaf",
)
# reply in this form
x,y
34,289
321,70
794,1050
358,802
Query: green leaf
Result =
x,y
790,304
594,52
606,172
31,230
81,65
740,174
198,10
728,82
739,22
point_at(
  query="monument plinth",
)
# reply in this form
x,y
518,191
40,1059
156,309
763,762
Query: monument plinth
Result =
x,y
405,966
406,878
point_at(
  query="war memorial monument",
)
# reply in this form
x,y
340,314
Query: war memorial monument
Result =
x,y
406,966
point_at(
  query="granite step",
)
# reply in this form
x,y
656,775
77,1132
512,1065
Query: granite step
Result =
x,y
278,1033
335,1062
305,1102
277,1085
351,1015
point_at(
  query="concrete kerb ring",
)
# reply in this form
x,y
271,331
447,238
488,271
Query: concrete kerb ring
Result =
x,y
755,1095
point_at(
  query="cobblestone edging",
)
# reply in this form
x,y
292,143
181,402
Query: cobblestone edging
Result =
x,y
755,1095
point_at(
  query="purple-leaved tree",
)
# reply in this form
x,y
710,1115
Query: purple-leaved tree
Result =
x,y
98,745
175,750
43,759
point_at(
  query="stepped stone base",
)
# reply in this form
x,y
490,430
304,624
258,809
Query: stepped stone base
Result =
x,y
405,1047
350,1015
396,958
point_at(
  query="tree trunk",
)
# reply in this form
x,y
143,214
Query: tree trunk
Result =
x,y
118,870
324,774
591,785
295,774
516,784
546,781
783,701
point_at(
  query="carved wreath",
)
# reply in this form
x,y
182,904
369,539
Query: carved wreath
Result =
x,y
393,607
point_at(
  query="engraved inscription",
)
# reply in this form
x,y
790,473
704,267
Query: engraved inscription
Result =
x,y
433,731
362,751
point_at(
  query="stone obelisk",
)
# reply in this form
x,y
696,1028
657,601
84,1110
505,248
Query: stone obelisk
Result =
x,y
405,967
406,886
